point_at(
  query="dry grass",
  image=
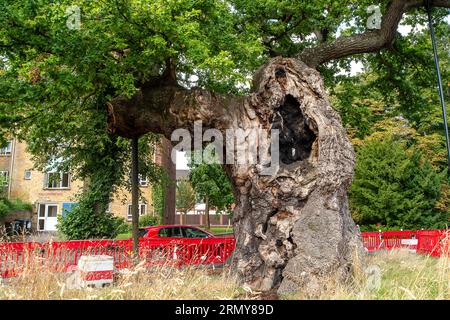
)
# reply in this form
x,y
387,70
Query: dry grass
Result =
x,y
403,276
158,283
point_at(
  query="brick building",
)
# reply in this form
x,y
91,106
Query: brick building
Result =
x,y
53,197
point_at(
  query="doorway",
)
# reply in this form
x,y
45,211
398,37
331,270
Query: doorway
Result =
x,y
47,217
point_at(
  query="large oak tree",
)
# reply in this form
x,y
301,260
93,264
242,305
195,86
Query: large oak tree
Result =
x,y
155,66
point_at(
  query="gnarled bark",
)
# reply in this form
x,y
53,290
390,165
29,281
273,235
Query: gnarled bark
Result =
x,y
292,228
164,108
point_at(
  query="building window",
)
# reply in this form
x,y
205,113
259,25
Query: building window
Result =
x,y
142,210
6,150
27,175
4,178
143,181
57,180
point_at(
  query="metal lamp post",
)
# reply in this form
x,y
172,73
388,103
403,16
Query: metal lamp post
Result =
x,y
438,72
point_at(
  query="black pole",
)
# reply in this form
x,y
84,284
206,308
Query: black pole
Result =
x,y
135,194
441,91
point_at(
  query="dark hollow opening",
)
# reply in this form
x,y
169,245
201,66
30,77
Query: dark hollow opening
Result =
x,y
296,138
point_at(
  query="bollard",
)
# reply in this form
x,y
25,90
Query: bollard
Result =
x,y
93,271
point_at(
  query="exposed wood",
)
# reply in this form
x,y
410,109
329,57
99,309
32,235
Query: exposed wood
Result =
x,y
293,227
165,108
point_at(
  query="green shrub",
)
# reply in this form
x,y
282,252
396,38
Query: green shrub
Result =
x,y
19,205
394,188
7,206
82,223
4,208
148,220
89,219
124,226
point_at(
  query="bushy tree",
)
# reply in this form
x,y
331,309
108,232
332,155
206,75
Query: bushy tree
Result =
x,y
103,168
211,183
85,222
185,198
394,187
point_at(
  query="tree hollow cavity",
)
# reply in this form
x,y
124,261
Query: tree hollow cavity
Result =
x,y
296,138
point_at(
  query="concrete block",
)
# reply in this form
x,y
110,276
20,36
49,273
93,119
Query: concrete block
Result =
x,y
93,271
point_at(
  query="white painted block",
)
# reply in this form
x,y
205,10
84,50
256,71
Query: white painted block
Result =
x,y
95,263
409,242
96,270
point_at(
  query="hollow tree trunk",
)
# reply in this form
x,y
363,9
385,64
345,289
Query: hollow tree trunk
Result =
x,y
293,228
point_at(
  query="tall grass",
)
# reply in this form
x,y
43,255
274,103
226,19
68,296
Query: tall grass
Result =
x,y
403,275
140,283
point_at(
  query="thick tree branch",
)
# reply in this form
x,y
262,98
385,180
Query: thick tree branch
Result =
x,y
165,108
368,41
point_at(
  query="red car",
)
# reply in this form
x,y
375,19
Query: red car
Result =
x,y
215,251
173,231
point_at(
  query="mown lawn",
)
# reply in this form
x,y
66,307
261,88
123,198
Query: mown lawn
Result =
x,y
123,236
221,230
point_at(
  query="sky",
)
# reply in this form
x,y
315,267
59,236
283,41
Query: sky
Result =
x,y
181,161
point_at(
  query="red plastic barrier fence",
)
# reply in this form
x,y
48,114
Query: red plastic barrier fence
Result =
x,y
431,242
63,256
374,241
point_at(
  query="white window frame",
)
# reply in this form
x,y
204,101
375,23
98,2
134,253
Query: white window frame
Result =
x,y
46,180
143,181
5,173
129,215
25,175
6,151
